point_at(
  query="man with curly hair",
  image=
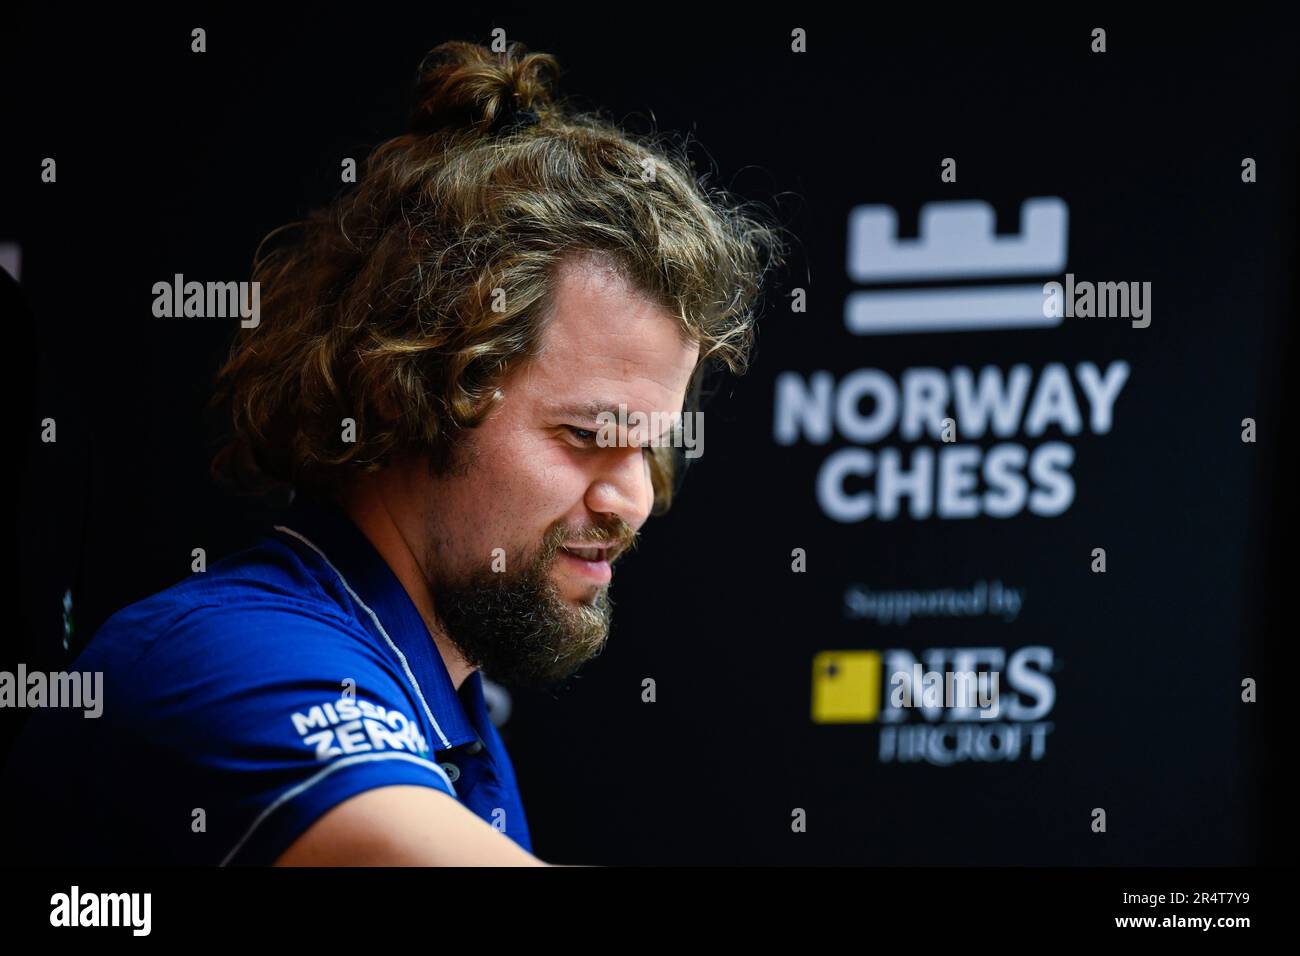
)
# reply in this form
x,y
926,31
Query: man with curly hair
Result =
x,y
439,355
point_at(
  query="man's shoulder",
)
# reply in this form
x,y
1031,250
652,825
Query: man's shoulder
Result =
x,y
260,602
217,664
248,690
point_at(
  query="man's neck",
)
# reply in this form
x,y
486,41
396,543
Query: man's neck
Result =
x,y
368,513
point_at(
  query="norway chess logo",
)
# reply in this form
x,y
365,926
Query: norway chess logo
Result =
x,y
957,240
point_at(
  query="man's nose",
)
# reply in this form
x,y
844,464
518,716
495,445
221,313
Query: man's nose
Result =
x,y
623,486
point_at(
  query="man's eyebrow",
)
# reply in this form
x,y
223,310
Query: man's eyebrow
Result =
x,y
588,412
583,411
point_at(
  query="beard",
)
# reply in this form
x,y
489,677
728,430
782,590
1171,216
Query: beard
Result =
x,y
516,625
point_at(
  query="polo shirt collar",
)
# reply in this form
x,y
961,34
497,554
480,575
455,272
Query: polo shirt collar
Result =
x,y
370,578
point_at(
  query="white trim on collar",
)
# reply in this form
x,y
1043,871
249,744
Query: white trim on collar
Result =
x,y
406,667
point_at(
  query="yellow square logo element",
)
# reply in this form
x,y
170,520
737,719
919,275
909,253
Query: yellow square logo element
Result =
x,y
846,687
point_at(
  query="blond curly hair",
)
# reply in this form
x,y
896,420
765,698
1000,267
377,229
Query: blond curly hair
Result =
x,y
404,303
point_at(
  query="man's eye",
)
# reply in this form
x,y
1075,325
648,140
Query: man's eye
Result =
x,y
584,435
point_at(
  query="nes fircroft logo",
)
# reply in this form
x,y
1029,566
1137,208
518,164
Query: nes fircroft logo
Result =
x,y
911,697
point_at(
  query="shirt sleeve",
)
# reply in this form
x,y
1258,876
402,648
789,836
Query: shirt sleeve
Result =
x,y
258,722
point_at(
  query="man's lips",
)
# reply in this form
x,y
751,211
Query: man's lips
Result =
x,y
595,567
593,552
588,552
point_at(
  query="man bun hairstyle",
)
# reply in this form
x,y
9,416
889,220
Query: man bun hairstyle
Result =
x,y
465,85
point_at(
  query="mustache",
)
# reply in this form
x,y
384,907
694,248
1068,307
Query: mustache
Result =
x,y
618,536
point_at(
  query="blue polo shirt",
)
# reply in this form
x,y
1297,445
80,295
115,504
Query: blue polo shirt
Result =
x,y
244,702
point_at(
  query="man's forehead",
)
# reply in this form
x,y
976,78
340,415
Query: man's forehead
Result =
x,y
605,343
586,381
596,307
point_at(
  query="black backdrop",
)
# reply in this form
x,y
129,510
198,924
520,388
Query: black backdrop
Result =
x,y
172,162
